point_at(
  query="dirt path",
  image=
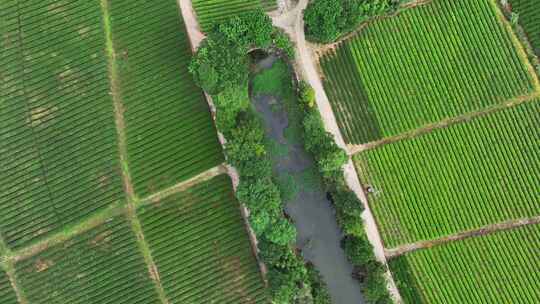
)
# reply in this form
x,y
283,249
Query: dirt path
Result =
x,y
508,225
292,23
192,25
355,149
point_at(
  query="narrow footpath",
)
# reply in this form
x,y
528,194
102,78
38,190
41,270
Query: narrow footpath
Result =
x,y
318,233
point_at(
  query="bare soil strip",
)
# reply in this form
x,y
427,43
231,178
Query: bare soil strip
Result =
x,y
10,271
204,176
508,225
122,149
66,234
355,149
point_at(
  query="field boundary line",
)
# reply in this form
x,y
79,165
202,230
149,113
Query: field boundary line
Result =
x,y
183,186
484,230
66,234
321,49
9,268
131,208
519,47
354,149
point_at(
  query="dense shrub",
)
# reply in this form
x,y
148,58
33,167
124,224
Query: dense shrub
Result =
x,y
221,61
320,291
327,20
330,159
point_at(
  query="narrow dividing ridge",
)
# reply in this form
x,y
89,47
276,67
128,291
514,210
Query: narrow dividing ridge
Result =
x,y
355,149
122,149
508,225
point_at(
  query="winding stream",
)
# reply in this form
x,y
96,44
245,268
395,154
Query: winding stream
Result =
x,y
318,234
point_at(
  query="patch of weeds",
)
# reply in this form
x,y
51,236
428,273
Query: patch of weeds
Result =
x,y
310,178
275,148
288,187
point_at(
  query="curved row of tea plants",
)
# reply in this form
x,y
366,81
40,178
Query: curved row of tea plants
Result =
x,y
213,12
58,160
200,246
100,266
169,129
504,264
435,61
463,177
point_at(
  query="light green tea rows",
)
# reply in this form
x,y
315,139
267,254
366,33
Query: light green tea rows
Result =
x,y
497,268
210,12
170,133
58,160
431,62
459,178
200,246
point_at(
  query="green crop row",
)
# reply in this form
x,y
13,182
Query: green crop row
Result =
x,y
200,246
170,133
7,294
101,266
463,177
529,18
58,160
498,268
432,62
210,12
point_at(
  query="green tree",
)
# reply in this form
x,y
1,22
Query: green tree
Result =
x,y
282,232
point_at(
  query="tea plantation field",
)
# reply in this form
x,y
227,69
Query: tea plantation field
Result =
x,y
459,178
529,18
435,61
170,133
496,268
96,101
210,12
200,246
102,265
59,156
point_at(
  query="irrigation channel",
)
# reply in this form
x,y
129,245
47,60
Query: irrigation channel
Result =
x,y
306,202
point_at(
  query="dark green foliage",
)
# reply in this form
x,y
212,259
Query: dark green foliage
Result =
x,y
318,286
258,194
330,158
221,61
282,232
230,103
327,20
358,250
405,280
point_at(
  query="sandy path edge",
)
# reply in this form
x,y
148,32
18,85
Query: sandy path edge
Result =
x,y
292,23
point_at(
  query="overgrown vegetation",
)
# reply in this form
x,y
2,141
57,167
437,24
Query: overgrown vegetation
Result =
x,y
327,20
220,67
331,159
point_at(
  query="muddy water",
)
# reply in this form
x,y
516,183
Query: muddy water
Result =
x,y
318,234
